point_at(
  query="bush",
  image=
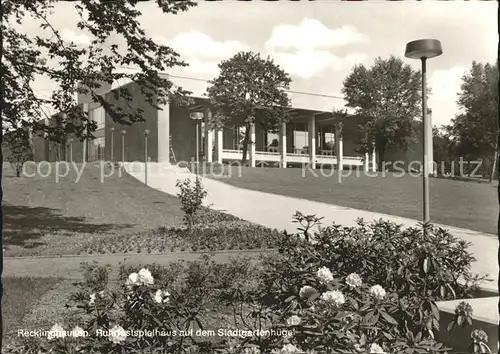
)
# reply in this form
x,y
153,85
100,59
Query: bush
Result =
x,y
356,289
366,289
191,196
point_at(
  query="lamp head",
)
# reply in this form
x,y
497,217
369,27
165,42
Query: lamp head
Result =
x,y
423,48
112,129
124,132
146,132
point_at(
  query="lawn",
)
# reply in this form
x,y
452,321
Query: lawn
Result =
x,y
456,203
45,217
20,295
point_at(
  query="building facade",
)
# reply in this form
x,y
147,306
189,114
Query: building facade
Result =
x,y
311,137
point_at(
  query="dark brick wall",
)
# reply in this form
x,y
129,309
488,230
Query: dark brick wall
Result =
x,y
183,132
134,136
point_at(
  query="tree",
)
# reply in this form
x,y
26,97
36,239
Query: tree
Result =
x,y
475,128
247,86
18,149
389,93
77,69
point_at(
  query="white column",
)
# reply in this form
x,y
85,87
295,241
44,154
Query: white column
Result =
x,y
311,146
208,137
366,162
374,160
251,145
164,134
339,147
282,145
218,144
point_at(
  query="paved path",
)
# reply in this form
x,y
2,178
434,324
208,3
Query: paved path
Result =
x,y
276,211
68,267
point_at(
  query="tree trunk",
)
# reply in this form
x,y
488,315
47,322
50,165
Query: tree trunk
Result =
x,y
495,162
246,141
380,157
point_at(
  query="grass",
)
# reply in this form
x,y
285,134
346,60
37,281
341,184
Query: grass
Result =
x,y
20,295
456,203
45,217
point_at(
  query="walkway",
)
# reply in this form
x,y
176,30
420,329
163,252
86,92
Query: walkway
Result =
x,y
276,211
69,267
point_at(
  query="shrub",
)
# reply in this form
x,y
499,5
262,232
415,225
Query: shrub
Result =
x,y
191,197
305,299
356,289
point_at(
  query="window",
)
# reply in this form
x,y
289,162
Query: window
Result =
x,y
98,116
97,151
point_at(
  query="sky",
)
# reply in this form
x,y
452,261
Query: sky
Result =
x,y
317,42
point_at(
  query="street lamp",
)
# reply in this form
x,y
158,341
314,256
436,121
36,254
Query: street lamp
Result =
x,y
112,143
424,49
197,117
146,132
123,146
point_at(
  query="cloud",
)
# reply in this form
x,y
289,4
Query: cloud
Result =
x,y
305,50
307,63
312,35
78,39
202,52
445,86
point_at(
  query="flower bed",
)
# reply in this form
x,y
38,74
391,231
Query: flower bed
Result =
x,y
213,232
366,289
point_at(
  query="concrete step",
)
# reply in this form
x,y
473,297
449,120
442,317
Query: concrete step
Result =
x,y
485,317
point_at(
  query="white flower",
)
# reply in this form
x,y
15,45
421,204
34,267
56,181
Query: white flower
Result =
x,y
92,299
145,277
334,297
324,275
376,349
161,296
287,349
101,293
251,350
78,332
353,280
57,331
306,292
293,320
133,279
377,291
117,334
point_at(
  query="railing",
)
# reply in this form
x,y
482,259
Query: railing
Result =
x,y
268,156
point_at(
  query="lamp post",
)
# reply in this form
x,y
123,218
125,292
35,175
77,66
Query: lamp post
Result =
x,y
146,132
112,143
424,49
197,116
123,146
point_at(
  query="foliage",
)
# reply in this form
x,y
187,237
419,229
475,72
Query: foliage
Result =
x,y
74,69
474,131
305,299
191,196
350,290
247,87
19,149
389,93
81,69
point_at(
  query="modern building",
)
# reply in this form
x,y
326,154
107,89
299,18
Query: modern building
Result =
x,y
312,136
